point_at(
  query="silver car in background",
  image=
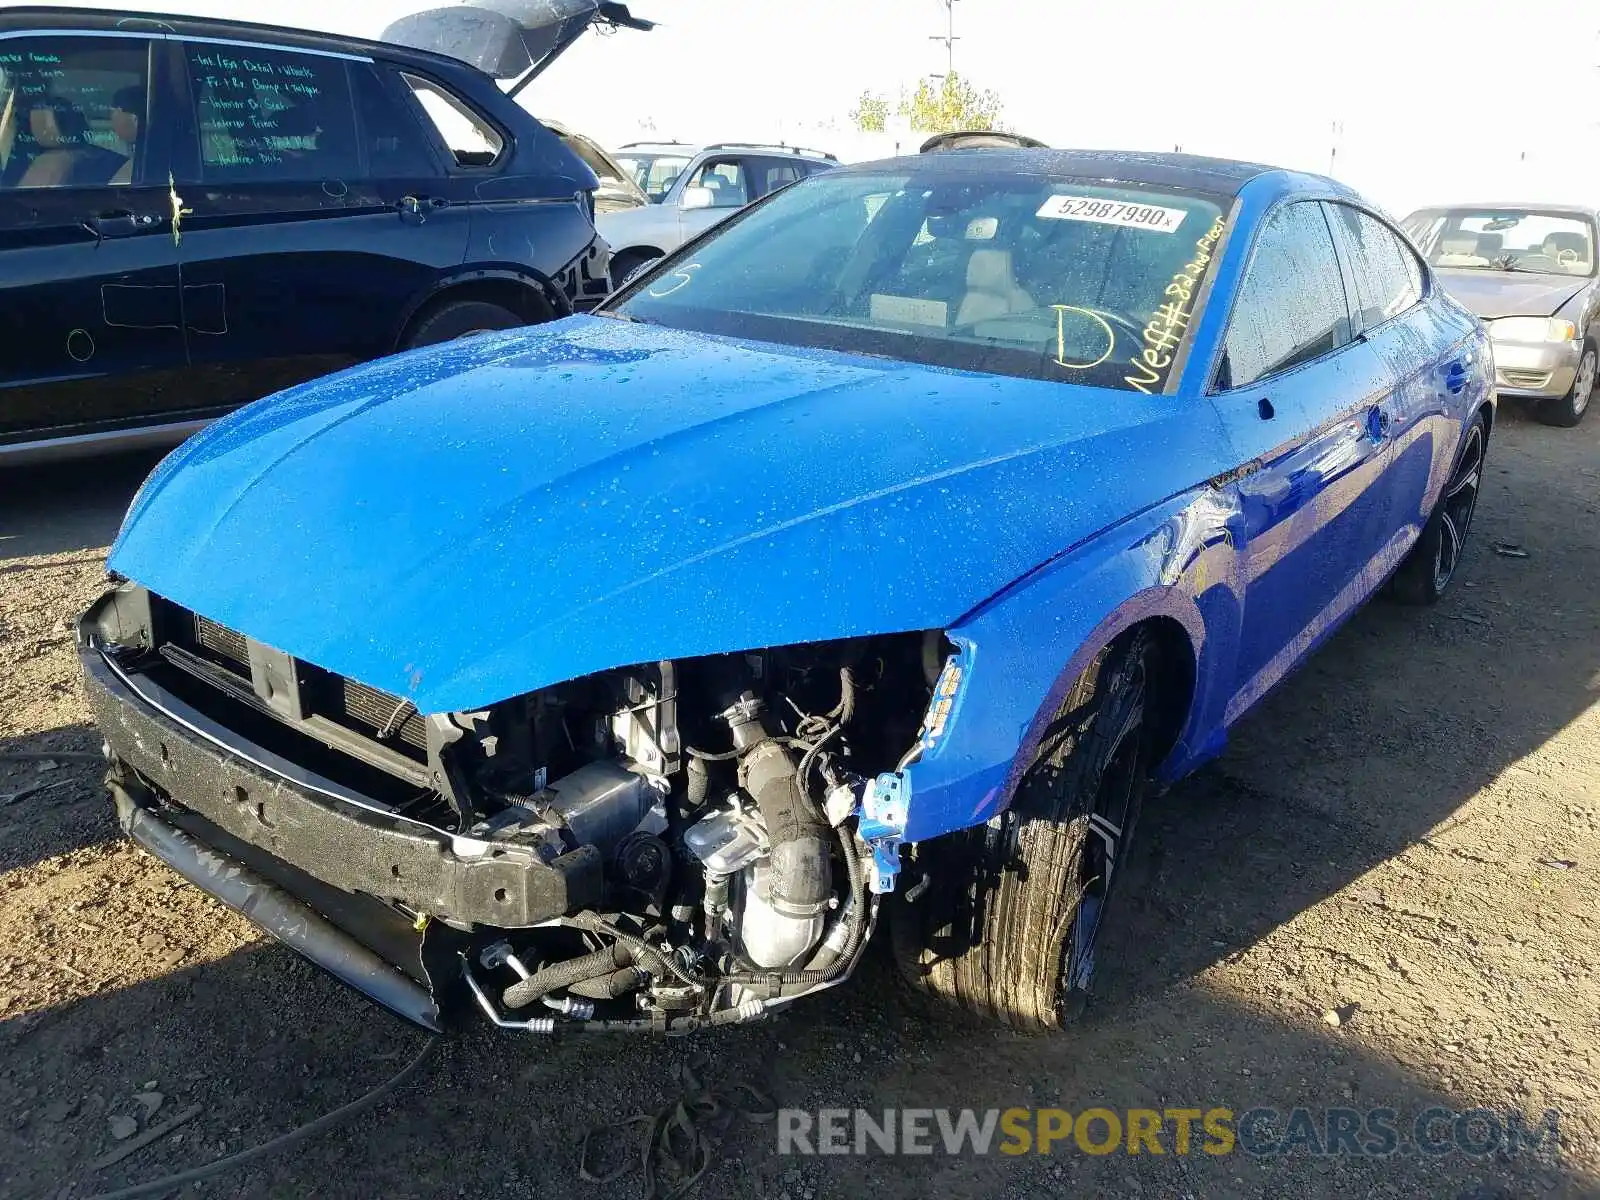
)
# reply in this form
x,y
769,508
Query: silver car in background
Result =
x,y
1529,271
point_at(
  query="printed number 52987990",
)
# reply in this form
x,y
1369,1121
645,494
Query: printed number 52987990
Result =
x,y
1112,212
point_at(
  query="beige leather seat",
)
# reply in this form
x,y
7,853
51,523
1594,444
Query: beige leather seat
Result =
x,y
992,288
1460,249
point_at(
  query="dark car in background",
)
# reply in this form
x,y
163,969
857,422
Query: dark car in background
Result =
x,y
196,213
1529,271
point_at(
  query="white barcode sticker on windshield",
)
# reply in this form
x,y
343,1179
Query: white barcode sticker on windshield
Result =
x,y
1112,212
907,310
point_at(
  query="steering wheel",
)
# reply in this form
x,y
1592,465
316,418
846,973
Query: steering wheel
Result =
x,y
1566,256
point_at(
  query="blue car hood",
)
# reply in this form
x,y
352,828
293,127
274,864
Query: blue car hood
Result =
x,y
468,522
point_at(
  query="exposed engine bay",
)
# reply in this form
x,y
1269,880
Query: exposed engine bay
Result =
x,y
723,795
652,848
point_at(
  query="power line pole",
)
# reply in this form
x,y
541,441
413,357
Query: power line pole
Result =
x,y
949,37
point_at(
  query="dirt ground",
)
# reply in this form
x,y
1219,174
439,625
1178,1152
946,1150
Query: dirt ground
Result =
x,y
1411,825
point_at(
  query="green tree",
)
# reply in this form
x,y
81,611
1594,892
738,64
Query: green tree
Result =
x,y
951,104
870,113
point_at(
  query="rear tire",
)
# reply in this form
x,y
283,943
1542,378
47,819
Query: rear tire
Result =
x,y
459,319
1569,409
626,263
1424,573
1007,929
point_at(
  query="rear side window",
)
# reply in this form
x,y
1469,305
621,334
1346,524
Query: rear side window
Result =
x,y
72,110
1388,278
1291,306
467,135
774,173
272,115
396,145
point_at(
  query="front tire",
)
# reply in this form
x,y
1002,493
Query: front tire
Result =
x,y
1427,571
1569,409
1008,926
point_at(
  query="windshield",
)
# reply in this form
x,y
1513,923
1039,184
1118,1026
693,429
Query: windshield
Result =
x,y
1505,239
654,173
1047,278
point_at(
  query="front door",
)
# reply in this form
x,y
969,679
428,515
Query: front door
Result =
x,y
729,183
89,303
1300,401
313,213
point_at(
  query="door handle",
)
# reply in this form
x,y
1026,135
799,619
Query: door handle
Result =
x,y
120,224
420,206
1455,375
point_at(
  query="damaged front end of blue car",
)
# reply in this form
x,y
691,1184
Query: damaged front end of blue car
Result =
x,y
382,716
662,847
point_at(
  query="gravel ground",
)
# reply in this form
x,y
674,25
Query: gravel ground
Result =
x,y
1408,832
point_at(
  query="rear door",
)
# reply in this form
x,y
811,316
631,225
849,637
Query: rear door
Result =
x,y
89,303
1297,396
767,175
1425,352
313,212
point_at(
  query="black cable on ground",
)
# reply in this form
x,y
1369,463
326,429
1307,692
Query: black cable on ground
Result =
x,y
680,1139
311,1128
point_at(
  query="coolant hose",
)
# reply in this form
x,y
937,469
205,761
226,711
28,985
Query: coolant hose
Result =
x,y
644,954
797,869
564,974
609,987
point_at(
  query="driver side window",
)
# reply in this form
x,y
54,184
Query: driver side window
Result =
x,y
1291,306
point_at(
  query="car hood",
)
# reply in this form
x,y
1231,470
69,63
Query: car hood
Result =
x,y
1492,294
468,522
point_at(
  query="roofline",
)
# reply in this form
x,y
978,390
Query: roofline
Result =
x,y
1095,167
19,16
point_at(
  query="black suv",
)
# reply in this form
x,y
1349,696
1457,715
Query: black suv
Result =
x,y
195,213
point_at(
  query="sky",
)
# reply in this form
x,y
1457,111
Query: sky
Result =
x,y
1410,101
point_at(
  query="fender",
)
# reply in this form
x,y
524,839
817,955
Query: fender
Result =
x,y
1018,653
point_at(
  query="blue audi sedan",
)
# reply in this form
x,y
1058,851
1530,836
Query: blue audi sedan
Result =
x,y
860,565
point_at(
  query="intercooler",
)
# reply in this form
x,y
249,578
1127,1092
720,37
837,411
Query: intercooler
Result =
x,y
364,709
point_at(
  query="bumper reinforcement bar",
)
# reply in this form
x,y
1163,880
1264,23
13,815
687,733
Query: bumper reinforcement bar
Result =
x,y
276,911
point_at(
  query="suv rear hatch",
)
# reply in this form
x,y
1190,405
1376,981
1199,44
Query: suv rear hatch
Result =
x,y
508,39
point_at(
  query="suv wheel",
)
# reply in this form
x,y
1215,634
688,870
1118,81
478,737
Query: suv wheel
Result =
x,y
459,319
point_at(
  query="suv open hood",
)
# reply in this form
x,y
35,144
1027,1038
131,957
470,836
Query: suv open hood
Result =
x,y
509,39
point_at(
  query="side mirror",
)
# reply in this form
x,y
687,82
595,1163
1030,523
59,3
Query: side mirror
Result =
x,y
698,197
